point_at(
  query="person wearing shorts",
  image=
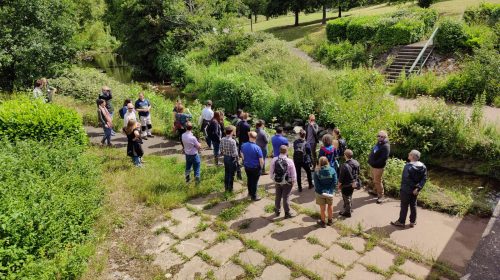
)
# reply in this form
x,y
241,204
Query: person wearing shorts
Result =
x,y
325,182
143,106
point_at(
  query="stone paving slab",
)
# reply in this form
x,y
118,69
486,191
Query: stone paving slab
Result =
x,y
252,257
166,259
325,236
276,272
196,267
229,271
341,255
185,227
359,272
397,276
190,247
159,243
302,252
254,228
207,235
224,250
324,268
357,243
379,258
180,214
417,270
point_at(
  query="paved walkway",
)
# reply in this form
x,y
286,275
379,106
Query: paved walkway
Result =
x,y
203,240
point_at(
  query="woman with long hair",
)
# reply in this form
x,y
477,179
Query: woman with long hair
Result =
x,y
214,133
134,142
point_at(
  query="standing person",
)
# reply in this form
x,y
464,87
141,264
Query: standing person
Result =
x,y
282,171
262,141
278,140
312,137
236,121
107,96
182,119
129,115
377,161
38,91
206,117
191,150
243,128
325,181
47,88
328,150
174,113
302,159
340,144
134,141
413,180
229,150
143,106
105,120
214,134
348,180
253,162
124,108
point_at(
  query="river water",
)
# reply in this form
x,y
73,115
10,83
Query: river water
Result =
x,y
113,65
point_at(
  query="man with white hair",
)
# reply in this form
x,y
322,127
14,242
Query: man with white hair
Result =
x,y
414,178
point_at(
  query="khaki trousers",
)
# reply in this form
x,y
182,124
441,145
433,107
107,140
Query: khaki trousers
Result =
x,y
377,180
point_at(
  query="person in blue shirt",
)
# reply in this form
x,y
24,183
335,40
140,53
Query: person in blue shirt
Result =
x,y
253,162
143,106
278,140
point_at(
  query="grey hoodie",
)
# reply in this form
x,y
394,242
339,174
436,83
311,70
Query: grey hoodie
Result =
x,y
414,176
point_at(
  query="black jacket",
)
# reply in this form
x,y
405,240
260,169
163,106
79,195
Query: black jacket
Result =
x,y
348,172
379,154
214,131
414,176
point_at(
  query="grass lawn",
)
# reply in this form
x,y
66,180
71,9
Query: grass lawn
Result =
x,y
310,24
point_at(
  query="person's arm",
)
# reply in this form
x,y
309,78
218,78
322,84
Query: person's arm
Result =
x,y
101,118
261,157
271,168
291,171
382,157
137,134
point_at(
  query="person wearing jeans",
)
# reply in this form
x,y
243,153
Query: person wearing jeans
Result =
x,y
262,141
191,150
105,120
229,150
283,187
413,180
377,161
253,162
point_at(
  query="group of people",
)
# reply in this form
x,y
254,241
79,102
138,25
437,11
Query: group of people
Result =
x,y
43,91
331,169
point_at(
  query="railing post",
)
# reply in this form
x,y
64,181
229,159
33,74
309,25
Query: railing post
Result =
x,y
430,41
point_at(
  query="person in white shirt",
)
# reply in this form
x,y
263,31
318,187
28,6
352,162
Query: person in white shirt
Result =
x,y
129,115
37,91
206,116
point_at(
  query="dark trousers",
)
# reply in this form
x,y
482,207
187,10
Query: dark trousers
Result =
x,y
204,126
282,192
313,153
307,168
230,165
408,200
253,175
107,135
347,198
180,132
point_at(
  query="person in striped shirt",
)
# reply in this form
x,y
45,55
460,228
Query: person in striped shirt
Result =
x,y
229,149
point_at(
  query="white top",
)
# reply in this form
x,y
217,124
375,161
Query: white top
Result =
x,y
37,93
207,114
129,116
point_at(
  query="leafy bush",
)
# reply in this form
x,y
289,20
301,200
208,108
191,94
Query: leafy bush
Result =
x,y
341,54
481,36
451,36
362,29
485,13
405,31
22,119
415,85
49,199
424,3
336,30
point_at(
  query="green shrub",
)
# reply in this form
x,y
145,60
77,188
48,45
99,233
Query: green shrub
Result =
x,y
451,36
362,29
485,13
481,36
336,30
23,118
415,85
424,3
49,200
405,31
341,54
496,101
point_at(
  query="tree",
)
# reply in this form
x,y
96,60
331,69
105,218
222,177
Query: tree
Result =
x,y
280,7
255,7
35,40
324,5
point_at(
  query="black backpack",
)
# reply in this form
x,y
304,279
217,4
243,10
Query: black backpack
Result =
x,y
280,171
342,147
299,152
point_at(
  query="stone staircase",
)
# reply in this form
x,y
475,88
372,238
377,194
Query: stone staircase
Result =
x,y
404,60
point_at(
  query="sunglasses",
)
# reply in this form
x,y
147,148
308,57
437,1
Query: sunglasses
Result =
x,y
381,136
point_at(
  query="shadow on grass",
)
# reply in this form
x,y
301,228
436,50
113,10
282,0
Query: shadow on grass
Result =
x,y
292,33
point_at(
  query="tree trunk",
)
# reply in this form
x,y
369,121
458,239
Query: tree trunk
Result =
x,y
255,18
251,23
324,15
297,18
340,10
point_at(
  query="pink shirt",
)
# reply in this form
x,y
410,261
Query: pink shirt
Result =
x,y
191,144
290,169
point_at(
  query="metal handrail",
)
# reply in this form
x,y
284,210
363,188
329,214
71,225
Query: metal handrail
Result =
x,y
430,41
425,60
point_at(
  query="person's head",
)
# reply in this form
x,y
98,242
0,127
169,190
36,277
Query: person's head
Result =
x,y
209,103
106,89
189,126
127,101
141,96
131,125
382,135
38,83
244,116
323,161
283,149
414,155
327,140
252,135
238,113
279,130
260,124
229,130
348,154
217,116
130,107
180,108
302,134
101,102
336,133
312,118
44,81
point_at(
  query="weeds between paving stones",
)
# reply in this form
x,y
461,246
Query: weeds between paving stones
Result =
x,y
233,212
269,208
202,226
251,271
317,256
375,269
207,258
346,245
